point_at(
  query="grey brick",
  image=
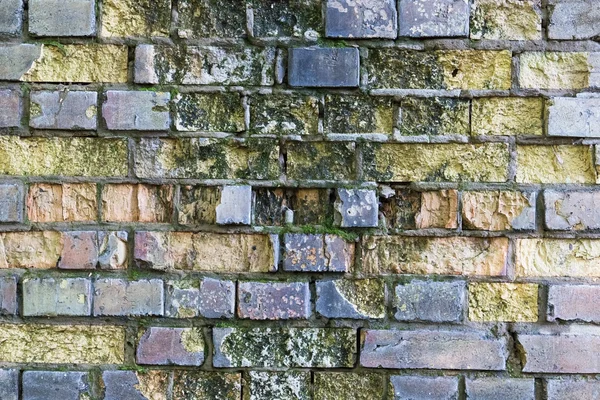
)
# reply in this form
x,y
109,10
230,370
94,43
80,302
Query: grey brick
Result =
x,y
314,253
235,206
50,385
356,208
323,67
9,384
209,298
171,346
574,19
11,202
430,301
569,389
119,297
63,110
126,385
574,116
432,349
10,107
273,300
574,210
500,389
136,110
17,59
424,387
62,17
8,296
437,18
11,16
361,19
52,297
356,299
573,302
112,249
278,385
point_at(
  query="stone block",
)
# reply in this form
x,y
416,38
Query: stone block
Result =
x,y
273,300
11,202
356,208
235,207
62,17
323,67
439,18
355,299
52,297
50,385
10,104
136,110
361,19
171,346
117,297
430,301
75,110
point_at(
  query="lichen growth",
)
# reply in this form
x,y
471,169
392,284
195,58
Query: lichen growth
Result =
x,y
555,164
349,386
434,116
507,116
284,114
127,18
192,340
211,18
506,20
506,302
210,112
320,160
367,295
358,114
200,385
404,69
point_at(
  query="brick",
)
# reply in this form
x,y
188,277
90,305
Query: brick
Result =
x,y
498,210
136,110
443,18
212,252
171,346
94,344
506,20
273,300
571,20
137,203
434,116
356,208
62,18
566,388
57,297
112,252
50,385
439,209
358,114
30,249
574,210
507,116
430,301
430,255
9,384
315,252
69,202
132,385
500,388
390,68
204,112
558,70
209,298
361,19
573,303
355,299
199,385
278,385
555,164
128,18
305,160
203,158
323,67
348,386
11,17
471,350
235,206
17,59
63,110
399,208
10,103
574,117
118,297
198,204
288,347
211,19
509,302
436,162
237,65
306,206
80,250
11,202
8,299
311,206
284,114
557,257
287,19
424,387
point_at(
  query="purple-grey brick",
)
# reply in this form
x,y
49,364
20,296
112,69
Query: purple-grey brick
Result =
x,y
118,297
430,301
424,387
351,298
122,385
63,110
361,19
316,253
209,298
8,295
235,206
356,208
432,350
9,384
52,297
11,16
571,389
62,17
11,202
171,346
137,110
323,67
500,389
51,385
439,18
574,210
10,106
574,302
273,300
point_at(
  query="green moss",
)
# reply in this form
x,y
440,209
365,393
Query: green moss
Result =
x,y
434,116
358,114
321,160
211,112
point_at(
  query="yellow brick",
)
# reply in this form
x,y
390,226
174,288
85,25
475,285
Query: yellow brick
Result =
x,y
476,69
30,249
506,19
554,70
507,116
555,164
130,18
508,302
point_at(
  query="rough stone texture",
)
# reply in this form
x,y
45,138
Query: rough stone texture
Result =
x,y
470,350
434,116
8,299
422,18
498,210
323,67
198,204
212,252
361,19
358,114
278,385
136,110
430,301
316,252
573,303
204,112
131,385
356,208
439,209
128,18
10,103
273,300
510,302
500,389
63,110
113,250
429,255
424,387
554,70
38,385
578,117
507,116
11,16
79,251
400,208
73,202
11,202
9,384
557,257
200,385
30,249
118,297
573,19
288,19
72,344
568,388
209,298
278,114
235,207
287,347
356,299
573,210
131,203
54,297
62,17
210,19
348,386
506,19
307,160
555,164
171,346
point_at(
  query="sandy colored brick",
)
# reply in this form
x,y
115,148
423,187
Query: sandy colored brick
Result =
x,y
555,164
69,202
128,18
554,70
498,210
506,19
507,116
439,209
557,258
30,249
137,203
508,302
475,69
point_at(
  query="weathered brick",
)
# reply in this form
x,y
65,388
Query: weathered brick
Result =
x,y
574,116
431,255
507,116
361,19
284,114
506,20
30,249
11,16
205,65
439,209
348,386
288,347
210,19
112,252
17,59
62,18
11,202
56,297
278,385
573,19
171,346
358,114
10,104
557,257
54,385
128,18
200,385
573,303
430,301
273,300
307,160
198,204
119,297
70,344
79,250
555,164
399,207
235,206
419,18
9,384
558,70
131,203
212,252
69,202
424,387
568,388
436,162
323,67
432,350
8,299
574,210
204,158
509,302
434,116
356,208
132,385
316,252
273,206
297,19
498,210
136,110
356,299
209,298
500,388
204,112
63,110
311,206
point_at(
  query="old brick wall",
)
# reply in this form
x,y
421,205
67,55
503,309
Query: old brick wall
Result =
x,y
299,199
